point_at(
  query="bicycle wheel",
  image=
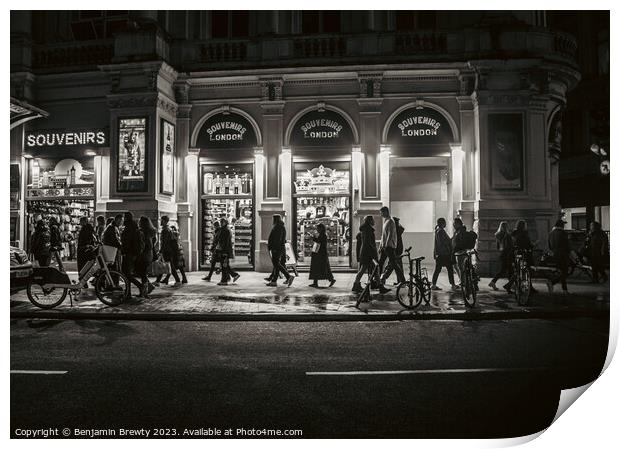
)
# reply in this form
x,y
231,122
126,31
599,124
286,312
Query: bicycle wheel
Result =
x,y
45,298
112,294
426,284
523,285
468,288
409,295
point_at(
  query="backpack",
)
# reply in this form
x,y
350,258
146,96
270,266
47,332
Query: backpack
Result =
x,y
469,239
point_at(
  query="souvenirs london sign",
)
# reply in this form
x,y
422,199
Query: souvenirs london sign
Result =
x,y
64,138
321,128
418,126
226,131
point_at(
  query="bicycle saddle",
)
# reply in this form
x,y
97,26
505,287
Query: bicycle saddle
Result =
x,y
418,258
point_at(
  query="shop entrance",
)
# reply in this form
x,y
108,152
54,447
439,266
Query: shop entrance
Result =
x,y
228,192
322,194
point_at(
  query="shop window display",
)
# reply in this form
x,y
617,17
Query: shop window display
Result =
x,y
323,196
62,189
227,192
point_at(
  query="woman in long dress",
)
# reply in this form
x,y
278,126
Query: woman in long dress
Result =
x,y
319,264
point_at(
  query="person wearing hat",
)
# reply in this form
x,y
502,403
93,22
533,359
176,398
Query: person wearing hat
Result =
x,y
560,250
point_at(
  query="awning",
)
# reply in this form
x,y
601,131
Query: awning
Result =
x,y
22,112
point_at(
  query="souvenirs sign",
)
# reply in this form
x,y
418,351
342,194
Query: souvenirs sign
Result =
x,y
67,138
419,126
226,131
321,128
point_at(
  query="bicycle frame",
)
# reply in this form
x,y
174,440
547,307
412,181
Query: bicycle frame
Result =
x,y
87,271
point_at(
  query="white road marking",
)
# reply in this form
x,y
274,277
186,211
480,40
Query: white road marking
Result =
x,y
420,371
33,371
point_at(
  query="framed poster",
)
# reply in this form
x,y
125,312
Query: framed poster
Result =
x,y
167,158
506,147
131,155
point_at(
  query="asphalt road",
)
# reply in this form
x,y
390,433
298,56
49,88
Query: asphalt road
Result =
x,y
484,379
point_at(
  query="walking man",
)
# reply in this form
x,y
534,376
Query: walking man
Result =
x,y
276,246
389,242
558,245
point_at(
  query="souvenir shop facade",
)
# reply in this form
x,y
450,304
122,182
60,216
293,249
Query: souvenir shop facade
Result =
x,y
317,148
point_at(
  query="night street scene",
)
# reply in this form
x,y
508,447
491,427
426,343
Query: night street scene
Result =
x,y
306,224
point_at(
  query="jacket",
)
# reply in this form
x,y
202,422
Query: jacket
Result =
x,y
319,264
461,240
86,236
598,245
131,241
224,241
399,239
55,238
504,242
389,238
558,243
148,239
277,238
368,245
40,242
443,244
521,239
112,236
168,245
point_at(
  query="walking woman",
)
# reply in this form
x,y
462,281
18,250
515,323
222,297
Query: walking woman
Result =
x,y
215,253
40,244
443,254
367,255
504,244
132,246
319,263
148,235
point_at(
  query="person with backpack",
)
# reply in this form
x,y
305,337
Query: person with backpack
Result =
x,y
443,254
462,240
56,243
132,246
40,244
503,241
367,255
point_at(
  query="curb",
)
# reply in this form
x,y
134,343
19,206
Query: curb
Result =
x,y
310,317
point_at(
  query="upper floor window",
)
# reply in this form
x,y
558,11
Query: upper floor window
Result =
x,y
415,20
313,22
90,24
227,24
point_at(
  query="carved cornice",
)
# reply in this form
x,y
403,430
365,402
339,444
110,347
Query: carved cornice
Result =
x,y
167,105
144,100
271,89
272,107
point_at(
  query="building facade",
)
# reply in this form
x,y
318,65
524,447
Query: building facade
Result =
x,y
323,117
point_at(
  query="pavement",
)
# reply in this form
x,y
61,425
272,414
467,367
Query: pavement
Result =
x,y
250,299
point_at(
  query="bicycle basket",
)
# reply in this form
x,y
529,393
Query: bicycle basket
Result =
x,y
109,253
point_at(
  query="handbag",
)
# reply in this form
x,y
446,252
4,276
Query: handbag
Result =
x,y
158,267
315,247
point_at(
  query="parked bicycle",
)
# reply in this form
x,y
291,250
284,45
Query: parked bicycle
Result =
x,y
469,279
411,292
522,275
48,286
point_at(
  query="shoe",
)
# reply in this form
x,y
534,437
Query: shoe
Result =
x,y
176,284
332,282
184,281
357,288
236,277
314,285
207,278
272,284
290,280
268,279
155,284
434,287
493,286
222,283
383,290
150,288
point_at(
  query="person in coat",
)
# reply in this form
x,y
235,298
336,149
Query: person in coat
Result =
x,y
40,244
101,225
388,245
598,244
132,244
521,240
168,250
148,237
442,253
503,241
399,251
112,237
179,255
367,256
86,241
560,250
224,245
56,243
319,263
215,254
276,245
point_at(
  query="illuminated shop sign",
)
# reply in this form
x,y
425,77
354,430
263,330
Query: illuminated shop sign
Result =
x,y
226,131
79,138
418,126
321,128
